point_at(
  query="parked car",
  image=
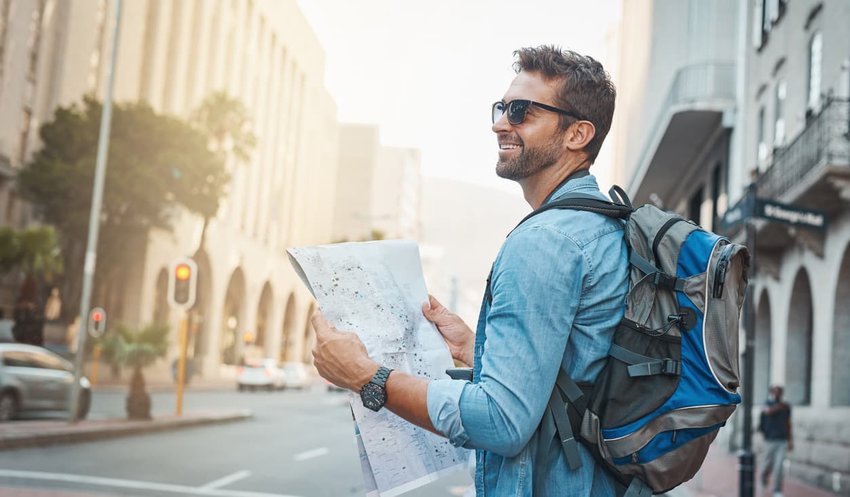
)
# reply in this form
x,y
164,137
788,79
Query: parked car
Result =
x,y
36,379
6,326
296,374
260,374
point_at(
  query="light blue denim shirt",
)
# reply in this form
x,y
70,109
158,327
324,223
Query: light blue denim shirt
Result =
x,y
561,270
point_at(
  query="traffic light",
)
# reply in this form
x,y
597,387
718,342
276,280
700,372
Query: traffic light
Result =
x,y
182,283
97,322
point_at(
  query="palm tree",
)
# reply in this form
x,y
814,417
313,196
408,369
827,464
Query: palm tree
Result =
x,y
226,123
137,349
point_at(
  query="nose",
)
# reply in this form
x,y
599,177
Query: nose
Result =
x,y
502,125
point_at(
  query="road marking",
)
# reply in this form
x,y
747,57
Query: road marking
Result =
x,y
227,480
310,454
134,484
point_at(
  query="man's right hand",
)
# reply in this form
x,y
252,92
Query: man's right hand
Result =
x,y
458,336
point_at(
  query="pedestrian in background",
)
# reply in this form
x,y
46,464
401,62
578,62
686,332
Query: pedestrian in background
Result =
x,y
557,291
775,425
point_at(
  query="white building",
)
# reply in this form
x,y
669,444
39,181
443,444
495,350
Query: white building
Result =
x,y
758,87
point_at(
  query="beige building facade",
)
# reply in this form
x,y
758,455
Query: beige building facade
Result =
x,y
378,187
173,54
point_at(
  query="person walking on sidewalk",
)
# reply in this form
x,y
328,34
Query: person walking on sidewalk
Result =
x,y
775,425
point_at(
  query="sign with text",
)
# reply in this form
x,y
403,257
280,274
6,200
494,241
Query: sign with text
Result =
x,y
790,214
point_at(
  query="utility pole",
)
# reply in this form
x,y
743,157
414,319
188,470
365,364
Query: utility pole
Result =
x,y
746,458
94,218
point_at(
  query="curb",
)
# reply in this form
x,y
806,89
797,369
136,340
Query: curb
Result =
x,y
39,434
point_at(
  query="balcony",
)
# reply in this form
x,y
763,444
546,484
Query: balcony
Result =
x,y
691,113
813,171
800,170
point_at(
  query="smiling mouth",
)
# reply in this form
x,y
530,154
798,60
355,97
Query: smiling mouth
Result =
x,y
509,146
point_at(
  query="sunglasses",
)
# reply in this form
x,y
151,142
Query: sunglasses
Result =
x,y
517,110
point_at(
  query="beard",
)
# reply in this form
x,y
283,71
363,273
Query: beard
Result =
x,y
529,161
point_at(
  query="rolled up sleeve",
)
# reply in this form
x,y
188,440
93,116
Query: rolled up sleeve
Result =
x,y
444,398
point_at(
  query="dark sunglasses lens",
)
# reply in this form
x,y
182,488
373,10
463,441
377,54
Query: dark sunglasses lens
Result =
x,y
498,110
516,111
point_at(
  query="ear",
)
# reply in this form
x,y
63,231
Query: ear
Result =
x,y
578,135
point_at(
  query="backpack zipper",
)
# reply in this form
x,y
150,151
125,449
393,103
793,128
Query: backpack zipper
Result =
x,y
720,271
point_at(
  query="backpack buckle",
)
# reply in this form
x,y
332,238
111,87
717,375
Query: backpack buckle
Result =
x,y
671,367
664,280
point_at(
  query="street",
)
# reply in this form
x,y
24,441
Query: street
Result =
x,y
298,444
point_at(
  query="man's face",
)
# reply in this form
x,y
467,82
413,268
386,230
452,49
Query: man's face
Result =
x,y
535,144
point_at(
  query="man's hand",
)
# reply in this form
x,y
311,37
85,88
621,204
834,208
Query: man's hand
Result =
x,y
340,356
456,333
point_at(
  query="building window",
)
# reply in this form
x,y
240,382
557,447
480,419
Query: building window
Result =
x,y
695,206
779,109
815,61
766,14
715,194
762,149
26,123
4,29
96,59
148,50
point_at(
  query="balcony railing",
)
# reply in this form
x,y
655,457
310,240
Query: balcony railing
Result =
x,y
694,84
825,141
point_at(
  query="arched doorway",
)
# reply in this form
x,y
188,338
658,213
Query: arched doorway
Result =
x,y
231,348
798,358
264,319
761,373
288,341
840,394
309,337
160,298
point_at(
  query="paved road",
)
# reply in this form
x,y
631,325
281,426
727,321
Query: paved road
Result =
x,y
298,444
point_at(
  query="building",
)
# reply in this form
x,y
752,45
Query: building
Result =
x,y
768,102
378,187
173,54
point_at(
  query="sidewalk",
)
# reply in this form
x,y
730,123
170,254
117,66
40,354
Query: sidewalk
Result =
x,y
719,478
17,434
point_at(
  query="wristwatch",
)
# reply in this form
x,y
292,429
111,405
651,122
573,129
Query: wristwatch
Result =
x,y
374,394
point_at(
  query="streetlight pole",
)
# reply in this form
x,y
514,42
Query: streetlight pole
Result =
x,y
746,458
94,219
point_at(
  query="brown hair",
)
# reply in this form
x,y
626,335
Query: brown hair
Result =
x,y
586,88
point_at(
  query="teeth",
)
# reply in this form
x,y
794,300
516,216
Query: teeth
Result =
x,y
508,146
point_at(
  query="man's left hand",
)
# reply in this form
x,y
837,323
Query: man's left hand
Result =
x,y
340,356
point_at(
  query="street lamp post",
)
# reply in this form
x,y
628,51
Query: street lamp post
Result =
x,y
746,458
94,219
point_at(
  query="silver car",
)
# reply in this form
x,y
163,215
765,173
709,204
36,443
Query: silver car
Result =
x,y
35,379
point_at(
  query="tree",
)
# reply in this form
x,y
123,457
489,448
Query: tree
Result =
x,y
226,124
137,349
155,163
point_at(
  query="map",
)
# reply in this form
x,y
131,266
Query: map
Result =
x,y
376,290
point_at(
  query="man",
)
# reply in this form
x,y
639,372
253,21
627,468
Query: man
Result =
x,y
775,425
557,291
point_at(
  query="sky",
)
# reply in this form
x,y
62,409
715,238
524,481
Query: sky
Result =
x,y
427,71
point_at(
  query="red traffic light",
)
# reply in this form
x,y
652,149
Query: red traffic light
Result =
x,y
182,272
97,322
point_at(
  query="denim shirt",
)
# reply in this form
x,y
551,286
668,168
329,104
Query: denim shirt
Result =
x,y
561,270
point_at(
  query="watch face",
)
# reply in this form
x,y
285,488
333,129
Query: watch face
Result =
x,y
373,396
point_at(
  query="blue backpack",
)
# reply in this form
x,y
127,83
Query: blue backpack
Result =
x,y
671,379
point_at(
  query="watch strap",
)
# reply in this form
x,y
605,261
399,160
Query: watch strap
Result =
x,y
381,376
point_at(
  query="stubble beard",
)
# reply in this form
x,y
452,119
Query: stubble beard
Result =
x,y
528,162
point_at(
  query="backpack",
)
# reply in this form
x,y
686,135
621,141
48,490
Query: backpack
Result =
x,y
671,378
